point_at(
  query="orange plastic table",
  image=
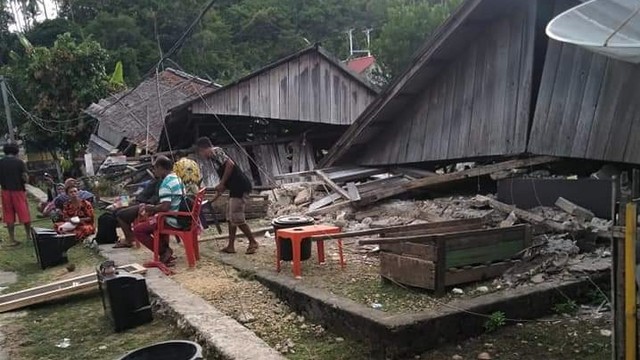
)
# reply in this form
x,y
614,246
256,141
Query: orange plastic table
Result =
x,y
296,235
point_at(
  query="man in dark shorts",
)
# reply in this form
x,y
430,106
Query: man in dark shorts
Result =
x,y
239,186
13,177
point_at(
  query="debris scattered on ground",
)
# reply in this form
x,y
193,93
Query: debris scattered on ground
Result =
x,y
65,343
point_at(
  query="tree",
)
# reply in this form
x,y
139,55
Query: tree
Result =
x,y
409,24
56,84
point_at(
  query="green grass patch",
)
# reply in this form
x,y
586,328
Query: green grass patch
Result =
x,y
22,259
91,336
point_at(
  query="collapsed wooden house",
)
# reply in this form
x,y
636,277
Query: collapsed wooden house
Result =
x,y
132,121
283,115
490,83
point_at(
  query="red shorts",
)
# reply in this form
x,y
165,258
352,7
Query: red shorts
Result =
x,y
15,203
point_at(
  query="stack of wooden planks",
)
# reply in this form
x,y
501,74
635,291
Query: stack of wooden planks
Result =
x,y
58,290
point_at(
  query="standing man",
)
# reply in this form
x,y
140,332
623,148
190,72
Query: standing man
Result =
x,y
170,195
232,178
13,177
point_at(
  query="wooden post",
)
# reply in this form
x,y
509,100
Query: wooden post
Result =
x,y
631,228
617,278
441,267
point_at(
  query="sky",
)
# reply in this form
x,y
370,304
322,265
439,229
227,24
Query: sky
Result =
x,y
51,13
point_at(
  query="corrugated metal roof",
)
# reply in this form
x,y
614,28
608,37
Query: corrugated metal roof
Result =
x,y
133,112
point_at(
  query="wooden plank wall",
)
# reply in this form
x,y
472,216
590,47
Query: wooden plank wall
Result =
x,y
477,106
588,107
306,88
272,159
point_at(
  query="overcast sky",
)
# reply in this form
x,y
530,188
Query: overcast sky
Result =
x,y
51,13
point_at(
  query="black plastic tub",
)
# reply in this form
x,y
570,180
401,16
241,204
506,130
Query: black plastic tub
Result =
x,y
168,350
292,221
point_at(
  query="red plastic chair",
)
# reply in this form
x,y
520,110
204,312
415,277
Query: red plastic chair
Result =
x,y
189,237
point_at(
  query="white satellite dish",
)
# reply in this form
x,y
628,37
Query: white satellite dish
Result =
x,y
608,27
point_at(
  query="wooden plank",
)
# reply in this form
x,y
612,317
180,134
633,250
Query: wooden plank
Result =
x,y
57,290
436,226
305,87
332,185
352,190
351,174
274,93
524,215
283,91
483,254
456,228
419,251
441,267
573,209
327,200
325,92
461,237
407,270
460,175
414,173
314,89
294,89
525,86
478,273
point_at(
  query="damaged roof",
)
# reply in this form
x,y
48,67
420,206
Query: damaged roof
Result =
x,y
132,112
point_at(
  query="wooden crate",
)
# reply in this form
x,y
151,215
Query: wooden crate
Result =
x,y
434,261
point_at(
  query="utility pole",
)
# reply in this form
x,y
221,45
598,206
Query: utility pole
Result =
x,y
7,109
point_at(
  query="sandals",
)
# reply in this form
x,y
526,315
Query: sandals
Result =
x,y
252,249
227,250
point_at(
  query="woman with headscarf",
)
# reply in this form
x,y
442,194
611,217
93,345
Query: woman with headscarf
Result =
x,y
77,215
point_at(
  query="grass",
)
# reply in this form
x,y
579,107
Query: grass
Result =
x,y
82,320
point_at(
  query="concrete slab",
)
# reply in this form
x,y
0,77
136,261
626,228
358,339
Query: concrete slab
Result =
x,y
219,333
398,336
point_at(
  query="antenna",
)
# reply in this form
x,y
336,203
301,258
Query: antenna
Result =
x,y
367,33
350,34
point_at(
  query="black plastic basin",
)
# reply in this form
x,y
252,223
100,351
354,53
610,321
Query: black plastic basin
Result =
x,y
169,350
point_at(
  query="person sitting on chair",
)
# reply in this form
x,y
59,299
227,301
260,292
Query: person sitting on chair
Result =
x,y
77,216
170,193
127,216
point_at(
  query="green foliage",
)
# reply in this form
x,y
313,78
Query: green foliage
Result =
x,y
497,320
56,84
409,23
567,307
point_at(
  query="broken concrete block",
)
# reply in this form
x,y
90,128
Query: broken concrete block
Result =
x,y
509,221
303,196
575,210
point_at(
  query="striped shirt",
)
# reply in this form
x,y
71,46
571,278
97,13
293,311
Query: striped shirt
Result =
x,y
171,190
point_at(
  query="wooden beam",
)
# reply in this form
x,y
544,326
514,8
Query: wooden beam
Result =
x,y
440,226
524,215
323,176
456,176
575,210
431,238
57,290
327,200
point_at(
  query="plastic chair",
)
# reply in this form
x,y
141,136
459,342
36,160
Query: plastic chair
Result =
x,y
189,236
296,235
